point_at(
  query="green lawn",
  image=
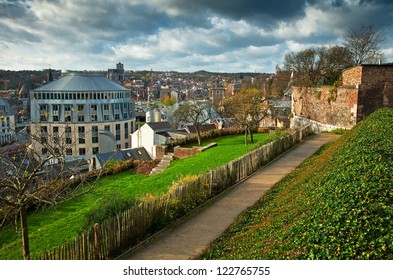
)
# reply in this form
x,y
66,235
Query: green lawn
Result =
x,y
50,227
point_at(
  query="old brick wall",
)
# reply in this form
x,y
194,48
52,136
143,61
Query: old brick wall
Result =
x,y
365,89
376,90
160,152
352,76
180,152
326,105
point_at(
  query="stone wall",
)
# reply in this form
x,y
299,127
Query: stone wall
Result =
x,y
160,151
352,76
179,152
376,90
364,89
326,105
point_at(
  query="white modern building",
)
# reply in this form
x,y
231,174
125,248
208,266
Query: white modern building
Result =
x,y
7,123
82,114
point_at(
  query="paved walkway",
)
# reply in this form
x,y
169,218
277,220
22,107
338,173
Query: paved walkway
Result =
x,y
188,238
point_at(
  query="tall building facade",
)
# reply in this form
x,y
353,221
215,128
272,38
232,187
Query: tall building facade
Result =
x,y
7,123
81,115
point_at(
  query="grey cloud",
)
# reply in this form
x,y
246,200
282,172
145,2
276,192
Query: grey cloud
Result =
x,y
17,35
13,9
264,12
85,29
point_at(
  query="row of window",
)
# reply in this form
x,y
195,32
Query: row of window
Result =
x,y
81,152
81,113
82,133
81,95
68,151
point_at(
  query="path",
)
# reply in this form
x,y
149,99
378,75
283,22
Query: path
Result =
x,y
189,238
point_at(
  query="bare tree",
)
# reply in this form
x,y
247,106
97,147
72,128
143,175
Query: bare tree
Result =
x,y
318,65
196,113
363,43
247,109
29,178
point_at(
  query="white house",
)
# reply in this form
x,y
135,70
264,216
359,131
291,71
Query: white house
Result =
x,y
151,135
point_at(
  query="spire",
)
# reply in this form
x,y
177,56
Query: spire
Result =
x,y
50,75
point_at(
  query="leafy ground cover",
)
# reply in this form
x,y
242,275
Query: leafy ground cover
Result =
x,y
336,205
50,227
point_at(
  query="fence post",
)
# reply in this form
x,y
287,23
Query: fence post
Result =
x,y
96,242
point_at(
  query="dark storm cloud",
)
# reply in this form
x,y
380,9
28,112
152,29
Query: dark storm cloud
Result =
x,y
376,2
174,32
122,17
13,9
265,12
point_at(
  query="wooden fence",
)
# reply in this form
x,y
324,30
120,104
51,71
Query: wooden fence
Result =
x,y
127,229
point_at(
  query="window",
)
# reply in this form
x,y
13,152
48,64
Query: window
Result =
x,y
125,110
67,112
107,127
68,135
44,112
95,150
81,113
55,113
43,134
56,134
93,113
94,134
69,152
44,151
118,146
106,112
126,131
82,151
117,111
117,132
81,135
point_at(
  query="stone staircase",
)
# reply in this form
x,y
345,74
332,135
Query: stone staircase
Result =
x,y
165,161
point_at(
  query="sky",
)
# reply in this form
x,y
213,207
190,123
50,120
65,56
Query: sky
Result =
x,y
178,35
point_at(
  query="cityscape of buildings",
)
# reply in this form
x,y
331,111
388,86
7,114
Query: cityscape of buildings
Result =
x,y
84,114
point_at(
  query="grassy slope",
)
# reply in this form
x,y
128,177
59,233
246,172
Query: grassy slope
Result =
x,y
50,228
337,205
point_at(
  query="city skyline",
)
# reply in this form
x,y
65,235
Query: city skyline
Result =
x,y
178,35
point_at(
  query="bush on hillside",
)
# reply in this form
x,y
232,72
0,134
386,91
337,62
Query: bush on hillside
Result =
x,y
108,207
337,205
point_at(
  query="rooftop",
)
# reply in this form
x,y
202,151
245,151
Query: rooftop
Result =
x,y
82,82
160,126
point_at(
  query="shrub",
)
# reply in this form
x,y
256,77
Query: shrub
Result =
x,y
113,166
108,207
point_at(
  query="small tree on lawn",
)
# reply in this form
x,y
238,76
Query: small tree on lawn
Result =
x,y
29,179
194,112
247,109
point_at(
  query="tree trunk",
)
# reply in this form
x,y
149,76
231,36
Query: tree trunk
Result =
x,y
245,136
198,134
251,135
25,234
